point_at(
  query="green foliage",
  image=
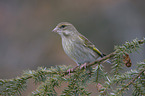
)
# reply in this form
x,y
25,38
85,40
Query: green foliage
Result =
x,y
13,86
116,83
127,48
132,77
47,87
76,82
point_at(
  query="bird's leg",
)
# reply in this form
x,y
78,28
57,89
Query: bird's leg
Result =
x,y
71,70
89,69
83,66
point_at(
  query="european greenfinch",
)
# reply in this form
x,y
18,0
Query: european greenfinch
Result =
x,y
75,45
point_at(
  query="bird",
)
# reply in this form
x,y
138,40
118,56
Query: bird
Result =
x,y
77,46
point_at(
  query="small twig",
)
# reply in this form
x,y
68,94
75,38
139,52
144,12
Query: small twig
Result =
x,y
131,81
102,59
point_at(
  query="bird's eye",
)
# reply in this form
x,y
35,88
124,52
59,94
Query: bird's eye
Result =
x,y
62,26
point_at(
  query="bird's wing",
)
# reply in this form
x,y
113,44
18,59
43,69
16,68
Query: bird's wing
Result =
x,y
90,45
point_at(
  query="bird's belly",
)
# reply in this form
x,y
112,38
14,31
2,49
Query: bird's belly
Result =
x,y
80,54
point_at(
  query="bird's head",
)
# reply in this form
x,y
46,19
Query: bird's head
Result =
x,y
65,29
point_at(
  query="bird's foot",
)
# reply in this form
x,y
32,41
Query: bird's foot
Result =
x,y
83,66
71,70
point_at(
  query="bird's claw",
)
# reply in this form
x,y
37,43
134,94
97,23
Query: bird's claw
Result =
x,y
70,70
83,66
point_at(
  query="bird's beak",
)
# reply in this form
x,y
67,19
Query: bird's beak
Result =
x,y
54,30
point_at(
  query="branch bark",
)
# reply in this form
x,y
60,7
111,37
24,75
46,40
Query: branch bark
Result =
x,y
92,63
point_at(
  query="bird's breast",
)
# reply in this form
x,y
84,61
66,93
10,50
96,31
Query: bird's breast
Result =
x,y
78,52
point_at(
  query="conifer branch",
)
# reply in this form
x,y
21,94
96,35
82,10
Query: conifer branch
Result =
x,y
131,82
55,75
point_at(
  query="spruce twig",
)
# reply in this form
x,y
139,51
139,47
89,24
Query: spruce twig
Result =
x,y
131,82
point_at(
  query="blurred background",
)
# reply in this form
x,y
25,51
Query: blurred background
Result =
x,y
27,40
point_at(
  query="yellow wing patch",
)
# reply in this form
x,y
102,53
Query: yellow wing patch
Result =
x,y
88,44
97,51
